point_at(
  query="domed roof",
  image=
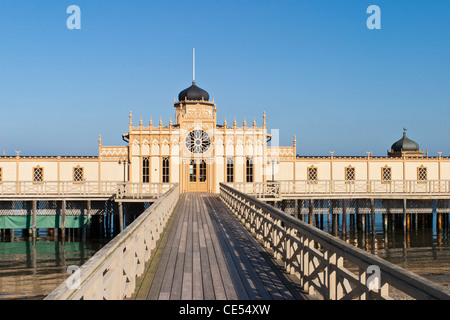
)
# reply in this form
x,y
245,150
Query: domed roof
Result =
x,y
405,144
193,93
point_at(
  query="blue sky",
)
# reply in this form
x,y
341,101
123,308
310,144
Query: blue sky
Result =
x,y
313,66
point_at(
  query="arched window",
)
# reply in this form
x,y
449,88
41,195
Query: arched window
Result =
x,y
165,169
145,170
249,169
230,169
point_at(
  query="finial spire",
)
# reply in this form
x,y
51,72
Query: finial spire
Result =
x,y
131,116
193,66
404,131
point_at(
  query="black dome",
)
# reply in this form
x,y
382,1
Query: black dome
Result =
x,y
405,144
193,93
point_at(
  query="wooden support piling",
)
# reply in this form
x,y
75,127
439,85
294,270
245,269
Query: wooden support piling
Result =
x,y
372,214
34,212
404,215
344,216
88,223
63,219
120,216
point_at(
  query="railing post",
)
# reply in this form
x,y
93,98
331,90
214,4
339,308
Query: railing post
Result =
x,y
363,282
331,273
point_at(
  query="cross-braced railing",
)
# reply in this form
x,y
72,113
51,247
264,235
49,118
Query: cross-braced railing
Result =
x,y
111,273
142,190
305,188
324,264
23,189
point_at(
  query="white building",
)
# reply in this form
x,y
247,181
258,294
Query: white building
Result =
x,y
198,153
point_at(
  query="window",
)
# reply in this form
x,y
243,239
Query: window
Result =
x,y
230,169
386,174
350,174
198,141
145,170
38,174
1,174
202,171
78,174
165,169
422,173
249,169
312,174
193,171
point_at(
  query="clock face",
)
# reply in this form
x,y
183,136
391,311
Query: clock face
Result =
x,y
198,141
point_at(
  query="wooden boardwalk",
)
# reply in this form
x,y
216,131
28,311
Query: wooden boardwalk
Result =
x,y
206,254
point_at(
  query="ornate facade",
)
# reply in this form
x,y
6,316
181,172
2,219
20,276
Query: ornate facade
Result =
x,y
199,153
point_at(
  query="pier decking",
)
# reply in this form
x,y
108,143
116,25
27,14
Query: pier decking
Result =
x,y
207,254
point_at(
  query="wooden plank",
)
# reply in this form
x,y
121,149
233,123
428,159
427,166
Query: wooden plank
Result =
x,y
263,268
197,286
167,264
186,289
240,291
208,288
209,255
254,286
144,284
218,247
273,279
159,274
178,258
219,289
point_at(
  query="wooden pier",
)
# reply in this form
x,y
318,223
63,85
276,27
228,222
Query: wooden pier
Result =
x,y
208,254
232,246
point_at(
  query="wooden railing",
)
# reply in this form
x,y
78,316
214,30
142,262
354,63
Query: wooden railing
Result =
x,y
62,188
324,264
142,190
111,273
287,188
82,189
